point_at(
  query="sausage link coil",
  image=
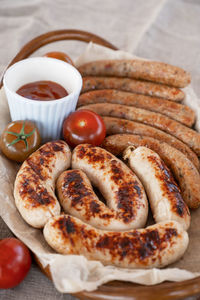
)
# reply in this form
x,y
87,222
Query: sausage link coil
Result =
x,y
35,181
156,246
77,197
162,191
118,184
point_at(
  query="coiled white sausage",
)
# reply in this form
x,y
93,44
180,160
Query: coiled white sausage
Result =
x,y
162,191
156,246
35,182
77,198
120,187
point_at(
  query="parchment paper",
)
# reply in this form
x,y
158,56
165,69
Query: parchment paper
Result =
x,y
72,273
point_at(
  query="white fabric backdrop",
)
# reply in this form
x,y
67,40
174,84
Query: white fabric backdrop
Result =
x,y
167,30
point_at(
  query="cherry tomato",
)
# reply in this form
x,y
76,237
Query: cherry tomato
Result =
x,y
84,126
19,139
60,55
15,262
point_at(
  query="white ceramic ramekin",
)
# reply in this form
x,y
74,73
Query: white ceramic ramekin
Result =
x,y
47,115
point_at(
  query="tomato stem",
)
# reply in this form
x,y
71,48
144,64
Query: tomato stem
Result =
x,y
22,136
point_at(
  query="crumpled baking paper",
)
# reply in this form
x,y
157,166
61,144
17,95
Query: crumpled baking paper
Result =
x,y
74,273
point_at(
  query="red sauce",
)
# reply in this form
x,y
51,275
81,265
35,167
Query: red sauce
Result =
x,y
42,90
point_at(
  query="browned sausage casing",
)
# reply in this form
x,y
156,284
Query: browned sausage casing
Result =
x,y
133,86
140,69
176,111
35,182
182,168
77,198
115,125
155,246
120,187
185,134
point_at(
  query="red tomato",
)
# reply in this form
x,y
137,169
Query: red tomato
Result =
x,y
15,262
84,126
60,55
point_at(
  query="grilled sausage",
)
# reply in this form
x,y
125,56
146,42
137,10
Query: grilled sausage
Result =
x,y
176,111
156,246
140,69
115,125
182,168
35,181
133,86
185,134
118,184
163,193
77,198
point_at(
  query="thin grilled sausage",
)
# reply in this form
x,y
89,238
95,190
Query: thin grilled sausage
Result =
x,y
163,193
77,198
120,187
140,69
35,182
185,134
115,125
156,246
133,86
176,111
185,173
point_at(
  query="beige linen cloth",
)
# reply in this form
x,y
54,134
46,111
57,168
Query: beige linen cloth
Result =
x,y
166,30
71,273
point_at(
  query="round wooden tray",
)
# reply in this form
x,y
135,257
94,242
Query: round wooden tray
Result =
x,y
116,289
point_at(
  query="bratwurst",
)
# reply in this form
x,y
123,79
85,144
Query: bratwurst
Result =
x,y
156,246
139,69
35,182
163,193
176,111
182,168
77,198
120,187
117,125
133,86
185,134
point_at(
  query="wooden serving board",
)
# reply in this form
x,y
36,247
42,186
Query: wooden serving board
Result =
x,y
116,289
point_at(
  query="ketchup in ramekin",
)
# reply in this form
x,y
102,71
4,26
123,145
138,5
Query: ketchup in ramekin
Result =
x,y
43,90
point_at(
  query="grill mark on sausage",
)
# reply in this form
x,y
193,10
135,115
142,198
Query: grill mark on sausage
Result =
x,y
92,155
141,246
46,154
170,187
37,169
66,225
74,188
95,208
56,147
117,173
36,197
126,192
125,195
